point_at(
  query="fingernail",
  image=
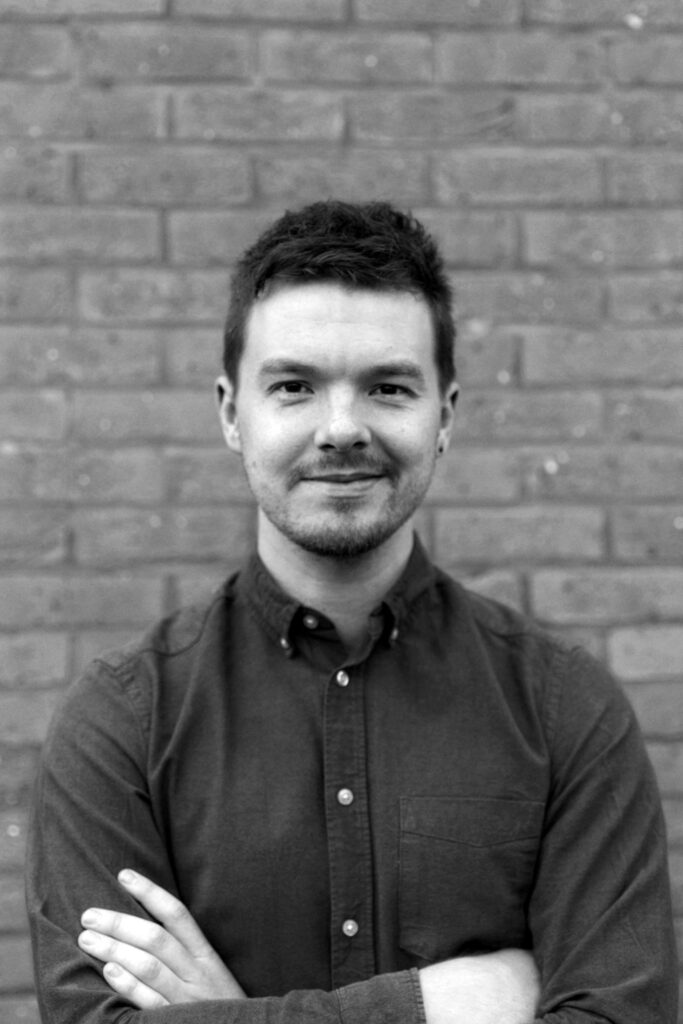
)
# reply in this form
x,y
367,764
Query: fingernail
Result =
x,y
127,877
86,939
90,917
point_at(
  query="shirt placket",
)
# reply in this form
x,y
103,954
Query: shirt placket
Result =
x,y
348,829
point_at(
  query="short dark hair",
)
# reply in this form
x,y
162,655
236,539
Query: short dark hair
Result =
x,y
370,246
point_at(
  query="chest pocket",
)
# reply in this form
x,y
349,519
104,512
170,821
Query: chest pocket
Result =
x,y
465,873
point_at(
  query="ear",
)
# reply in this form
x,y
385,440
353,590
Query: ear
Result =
x,y
227,413
448,401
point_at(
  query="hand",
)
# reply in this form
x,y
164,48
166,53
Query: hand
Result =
x,y
155,965
495,988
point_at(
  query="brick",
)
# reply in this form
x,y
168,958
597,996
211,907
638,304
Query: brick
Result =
x,y
647,356
430,117
165,176
561,118
129,536
609,13
515,176
34,52
651,60
12,904
24,718
676,871
440,12
642,299
607,595
81,475
154,296
673,814
65,111
17,777
647,118
508,414
36,294
193,357
638,178
486,353
45,9
33,659
33,415
205,237
205,476
667,759
651,534
347,174
36,537
350,57
465,475
518,535
19,1010
44,601
13,827
473,238
263,10
36,173
74,234
16,964
167,416
659,707
248,115
520,59
646,652
157,51
617,239
46,356
572,472
645,415
529,298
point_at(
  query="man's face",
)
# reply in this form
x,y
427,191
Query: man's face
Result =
x,y
338,413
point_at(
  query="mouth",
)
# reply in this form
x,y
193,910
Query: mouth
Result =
x,y
343,478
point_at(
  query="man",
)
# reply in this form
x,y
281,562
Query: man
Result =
x,y
345,788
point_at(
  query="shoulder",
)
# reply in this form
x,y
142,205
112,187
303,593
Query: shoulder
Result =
x,y
567,679
153,668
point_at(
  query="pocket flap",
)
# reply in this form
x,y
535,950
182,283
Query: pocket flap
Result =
x,y
476,821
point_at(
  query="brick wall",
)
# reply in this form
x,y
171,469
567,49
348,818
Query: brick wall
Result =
x,y
144,142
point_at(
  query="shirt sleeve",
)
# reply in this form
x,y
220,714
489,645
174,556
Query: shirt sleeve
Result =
x,y
91,817
600,913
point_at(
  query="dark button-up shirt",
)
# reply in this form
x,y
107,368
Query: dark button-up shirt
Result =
x,y
465,784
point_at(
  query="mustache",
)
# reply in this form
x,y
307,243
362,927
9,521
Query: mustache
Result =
x,y
349,462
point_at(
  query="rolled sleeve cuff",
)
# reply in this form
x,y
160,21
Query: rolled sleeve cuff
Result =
x,y
386,999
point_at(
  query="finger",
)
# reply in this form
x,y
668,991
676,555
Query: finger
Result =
x,y
131,988
136,932
143,967
168,910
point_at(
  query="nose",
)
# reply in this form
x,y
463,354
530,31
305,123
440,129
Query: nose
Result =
x,y
342,426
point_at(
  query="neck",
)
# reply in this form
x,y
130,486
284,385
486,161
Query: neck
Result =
x,y
346,590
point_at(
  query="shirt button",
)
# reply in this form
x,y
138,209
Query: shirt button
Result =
x,y
350,928
345,797
310,621
342,678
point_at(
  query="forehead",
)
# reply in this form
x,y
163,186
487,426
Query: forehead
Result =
x,y
325,315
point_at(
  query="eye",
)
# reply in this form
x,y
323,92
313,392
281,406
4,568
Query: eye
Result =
x,y
290,387
391,390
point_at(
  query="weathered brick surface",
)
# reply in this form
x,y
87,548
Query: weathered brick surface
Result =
x,y
145,142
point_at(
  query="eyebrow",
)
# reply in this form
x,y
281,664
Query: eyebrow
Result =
x,y
392,368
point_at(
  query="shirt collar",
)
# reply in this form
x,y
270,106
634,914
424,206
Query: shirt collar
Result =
x,y
283,616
